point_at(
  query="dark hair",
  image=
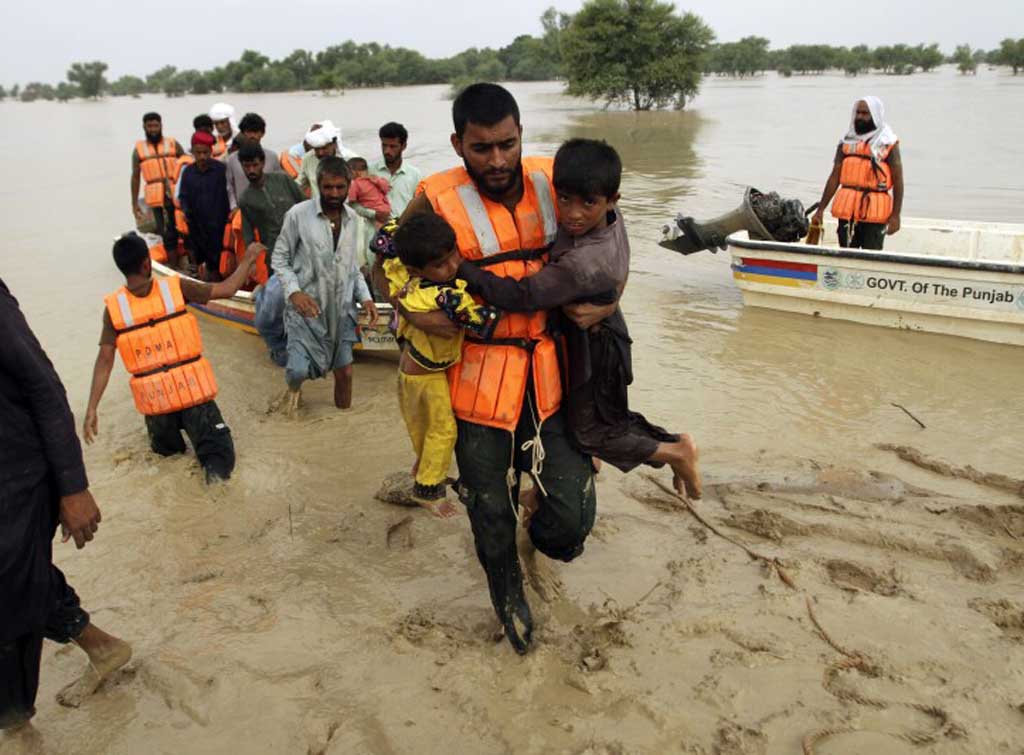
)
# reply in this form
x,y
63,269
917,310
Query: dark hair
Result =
x,y
484,104
357,163
202,121
393,130
251,151
423,239
151,116
332,166
237,142
252,122
130,251
587,168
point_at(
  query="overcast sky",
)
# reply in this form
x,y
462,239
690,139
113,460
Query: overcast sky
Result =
x,y
41,39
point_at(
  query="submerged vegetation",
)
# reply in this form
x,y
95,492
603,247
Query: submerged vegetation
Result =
x,y
641,54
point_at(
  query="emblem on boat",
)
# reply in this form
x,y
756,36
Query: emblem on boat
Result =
x,y
830,278
1020,300
854,280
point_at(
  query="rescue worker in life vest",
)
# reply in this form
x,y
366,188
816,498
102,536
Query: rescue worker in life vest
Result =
x,y
146,321
154,159
507,391
867,168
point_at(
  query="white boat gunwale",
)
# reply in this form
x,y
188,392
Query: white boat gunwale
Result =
x,y
898,258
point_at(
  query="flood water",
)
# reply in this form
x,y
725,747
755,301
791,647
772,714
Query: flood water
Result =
x,y
240,600
736,377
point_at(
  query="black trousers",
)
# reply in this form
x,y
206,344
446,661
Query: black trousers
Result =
x,y
165,227
206,430
37,602
865,235
560,526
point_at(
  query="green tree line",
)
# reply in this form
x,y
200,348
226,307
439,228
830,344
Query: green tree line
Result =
x,y
751,56
640,54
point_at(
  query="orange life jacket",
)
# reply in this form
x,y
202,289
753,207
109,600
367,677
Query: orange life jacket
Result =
x,y
290,164
220,148
228,259
179,215
157,251
489,384
159,343
865,182
260,273
157,166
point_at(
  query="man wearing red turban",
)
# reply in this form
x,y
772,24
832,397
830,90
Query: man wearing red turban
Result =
x,y
203,193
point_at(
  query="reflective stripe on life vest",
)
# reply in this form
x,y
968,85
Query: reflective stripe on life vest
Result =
x,y
488,385
159,343
865,182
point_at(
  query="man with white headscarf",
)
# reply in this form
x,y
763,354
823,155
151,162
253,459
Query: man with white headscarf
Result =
x,y
867,168
324,141
223,116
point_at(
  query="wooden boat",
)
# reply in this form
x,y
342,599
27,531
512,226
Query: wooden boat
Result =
x,y
959,278
239,312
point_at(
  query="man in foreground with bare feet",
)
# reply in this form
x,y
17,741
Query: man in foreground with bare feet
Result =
x,y
42,483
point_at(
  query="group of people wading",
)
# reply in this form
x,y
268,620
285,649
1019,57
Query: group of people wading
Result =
x,y
506,272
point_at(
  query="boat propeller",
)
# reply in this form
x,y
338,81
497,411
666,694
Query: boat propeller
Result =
x,y
767,217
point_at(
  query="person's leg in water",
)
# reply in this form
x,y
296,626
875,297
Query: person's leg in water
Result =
x,y
426,408
483,454
211,439
343,387
343,375
269,320
165,434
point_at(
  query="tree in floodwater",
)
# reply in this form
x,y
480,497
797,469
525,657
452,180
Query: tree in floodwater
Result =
x,y
36,90
927,58
130,86
66,91
965,60
3,93
747,57
1011,53
88,77
635,52
854,61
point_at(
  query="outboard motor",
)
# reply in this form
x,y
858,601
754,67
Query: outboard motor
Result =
x,y
767,217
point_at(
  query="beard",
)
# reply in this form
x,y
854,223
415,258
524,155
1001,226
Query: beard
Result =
x,y
329,203
485,182
155,138
864,127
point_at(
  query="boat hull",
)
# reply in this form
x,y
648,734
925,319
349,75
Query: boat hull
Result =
x,y
960,296
239,312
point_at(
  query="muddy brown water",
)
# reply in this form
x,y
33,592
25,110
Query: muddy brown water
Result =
x,y
274,614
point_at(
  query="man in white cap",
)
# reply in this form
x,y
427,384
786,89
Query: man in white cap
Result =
x,y
324,141
867,168
224,128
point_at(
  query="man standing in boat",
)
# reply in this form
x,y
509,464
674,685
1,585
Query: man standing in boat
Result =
x,y
868,175
223,116
507,391
153,160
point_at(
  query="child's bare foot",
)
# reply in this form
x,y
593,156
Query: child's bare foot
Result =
x,y
434,499
529,502
685,472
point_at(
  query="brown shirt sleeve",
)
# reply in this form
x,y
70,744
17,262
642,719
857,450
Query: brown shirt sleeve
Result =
x,y
196,292
108,336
